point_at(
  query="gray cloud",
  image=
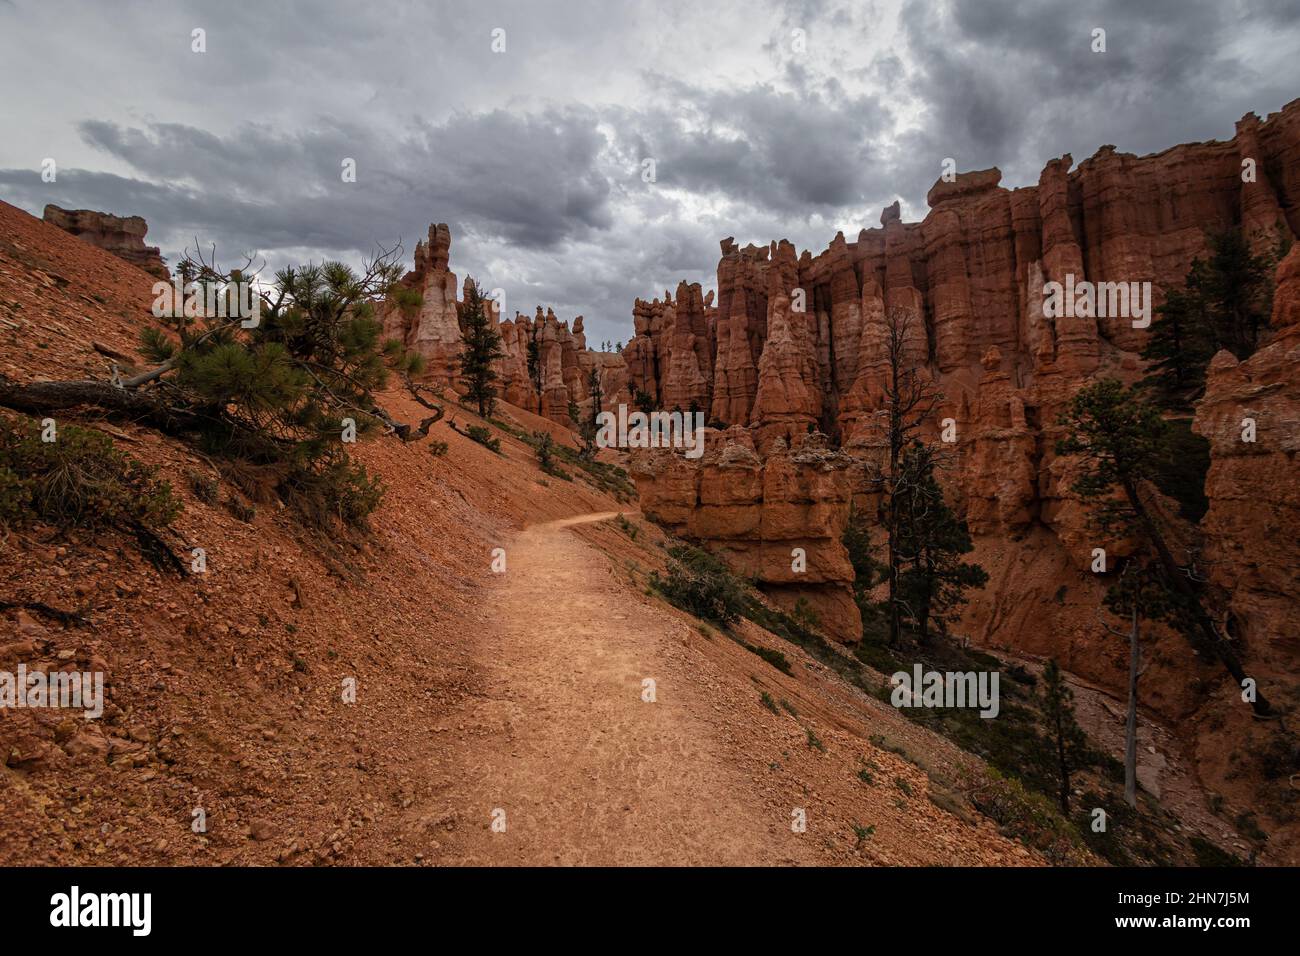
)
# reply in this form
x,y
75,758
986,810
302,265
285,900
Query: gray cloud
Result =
x,y
1010,84
533,156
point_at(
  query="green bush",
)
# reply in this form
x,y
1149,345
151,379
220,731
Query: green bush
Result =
x,y
1030,817
79,479
483,435
545,445
15,499
338,488
773,657
205,487
702,585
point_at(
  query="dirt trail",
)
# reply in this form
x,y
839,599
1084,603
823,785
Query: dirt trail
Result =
x,y
584,769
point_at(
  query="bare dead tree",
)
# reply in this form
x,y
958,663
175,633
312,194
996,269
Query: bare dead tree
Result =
x,y
1131,587
910,399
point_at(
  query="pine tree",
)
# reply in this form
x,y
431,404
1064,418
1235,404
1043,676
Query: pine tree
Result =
x,y
931,542
590,425
535,364
867,571
1067,738
1236,286
482,348
1179,350
282,391
1225,304
909,401
1137,595
1121,443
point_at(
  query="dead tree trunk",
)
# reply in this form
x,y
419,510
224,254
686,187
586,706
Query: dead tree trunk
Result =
x,y
1130,728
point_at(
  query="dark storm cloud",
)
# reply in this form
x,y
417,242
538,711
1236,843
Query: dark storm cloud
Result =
x,y
798,152
526,181
1013,84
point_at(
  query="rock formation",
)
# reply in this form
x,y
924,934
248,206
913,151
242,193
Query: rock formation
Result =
x,y
673,349
1252,552
433,329
797,348
122,236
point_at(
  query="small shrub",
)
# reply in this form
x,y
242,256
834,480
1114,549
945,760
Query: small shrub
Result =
x,y
545,446
80,479
627,527
483,435
1279,757
862,834
902,784
338,489
865,776
1248,826
773,657
814,742
876,655
766,700
205,487
789,708
1030,817
804,614
1207,854
15,499
700,584
437,448
244,512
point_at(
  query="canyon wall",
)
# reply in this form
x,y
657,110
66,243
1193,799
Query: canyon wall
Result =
x,y
1252,552
122,236
794,351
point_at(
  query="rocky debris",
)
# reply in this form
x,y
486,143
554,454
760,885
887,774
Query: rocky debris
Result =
x,y
122,236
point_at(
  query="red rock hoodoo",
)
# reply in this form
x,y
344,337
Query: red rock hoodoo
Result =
x,y
564,361
805,382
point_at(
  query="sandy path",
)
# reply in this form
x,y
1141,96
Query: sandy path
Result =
x,y
584,769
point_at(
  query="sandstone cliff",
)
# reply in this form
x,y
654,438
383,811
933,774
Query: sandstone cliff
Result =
x,y
122,236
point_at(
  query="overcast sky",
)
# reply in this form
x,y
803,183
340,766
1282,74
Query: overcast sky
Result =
x,y
764,120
